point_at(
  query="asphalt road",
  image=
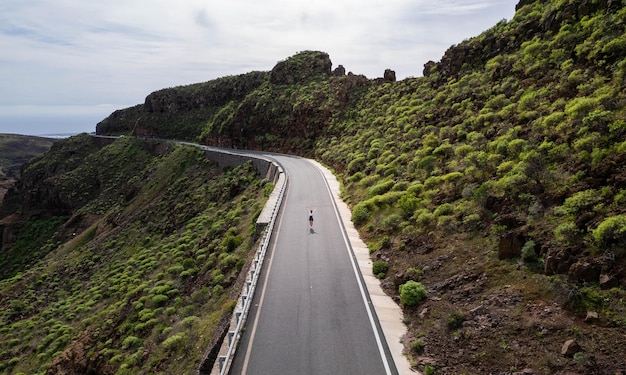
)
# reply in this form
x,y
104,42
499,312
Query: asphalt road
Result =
x,y
310,314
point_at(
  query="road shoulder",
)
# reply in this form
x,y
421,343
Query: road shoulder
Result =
x,y
388,312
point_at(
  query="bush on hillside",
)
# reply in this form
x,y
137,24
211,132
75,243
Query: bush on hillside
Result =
x,y
412,293
379,268
611,231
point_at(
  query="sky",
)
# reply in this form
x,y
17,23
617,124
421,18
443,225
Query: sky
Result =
x,y
65,65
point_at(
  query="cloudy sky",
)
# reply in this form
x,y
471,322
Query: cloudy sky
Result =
x,y
67,64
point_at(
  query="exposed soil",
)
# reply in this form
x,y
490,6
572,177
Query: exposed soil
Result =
x,y
488,316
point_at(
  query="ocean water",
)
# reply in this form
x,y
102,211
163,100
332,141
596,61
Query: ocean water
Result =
x,y
50,126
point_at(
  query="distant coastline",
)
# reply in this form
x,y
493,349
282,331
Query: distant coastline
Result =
x,y
58,135
51,135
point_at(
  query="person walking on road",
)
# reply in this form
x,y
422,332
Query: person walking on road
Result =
x,y
310,218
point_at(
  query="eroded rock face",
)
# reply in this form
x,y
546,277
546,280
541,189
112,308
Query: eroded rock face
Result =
x,y
301,67
558,261
161,104
585,270
510,246
389,76
339,71
213,93
76,359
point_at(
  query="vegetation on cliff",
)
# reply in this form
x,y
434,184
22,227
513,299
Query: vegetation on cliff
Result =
x,y
497,181
127,257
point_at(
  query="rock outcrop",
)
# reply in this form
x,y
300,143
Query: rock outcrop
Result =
x,y
301,67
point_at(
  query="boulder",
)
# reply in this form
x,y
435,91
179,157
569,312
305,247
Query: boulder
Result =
x,y
424,312
585,270
558,261
591,316
569,348
389,76
339,71
608,281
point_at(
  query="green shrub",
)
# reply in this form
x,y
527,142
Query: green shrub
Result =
x,y
176,341
401,186
418,345
356,164
413,273
415,189
160,299
231,242
391,222
267,189
146,314
429,370
611,231
176,269
582,200
455,320
380,188
528,251
229,261
472,221
379,268
427,163
443,209
356,177
189,263
189,321
412,293
580,107
361,213
131,342
369,180
387,198
217,290
408,204
423,217
217,277
566,233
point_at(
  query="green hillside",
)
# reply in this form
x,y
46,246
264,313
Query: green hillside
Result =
x,y
121,258
497,181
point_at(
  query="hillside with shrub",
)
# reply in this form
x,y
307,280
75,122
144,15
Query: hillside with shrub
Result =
x,y
121,257
491,191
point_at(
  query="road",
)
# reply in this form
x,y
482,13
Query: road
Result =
x,y
310,314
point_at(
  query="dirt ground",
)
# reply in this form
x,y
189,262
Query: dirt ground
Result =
x,y
488,316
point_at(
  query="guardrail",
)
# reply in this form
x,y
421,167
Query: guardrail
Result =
x,y
265,222
224,361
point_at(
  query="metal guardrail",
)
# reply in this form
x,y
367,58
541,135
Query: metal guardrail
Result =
x,y
247,296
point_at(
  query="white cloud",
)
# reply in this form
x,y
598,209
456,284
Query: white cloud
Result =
x,y
82,53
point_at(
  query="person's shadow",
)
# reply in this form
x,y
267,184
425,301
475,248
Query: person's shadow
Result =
x,y
311,230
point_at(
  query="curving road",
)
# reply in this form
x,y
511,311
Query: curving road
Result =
x,y
311,313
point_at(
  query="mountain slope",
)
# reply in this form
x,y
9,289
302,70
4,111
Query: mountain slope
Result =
x,y
122,257
497,180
